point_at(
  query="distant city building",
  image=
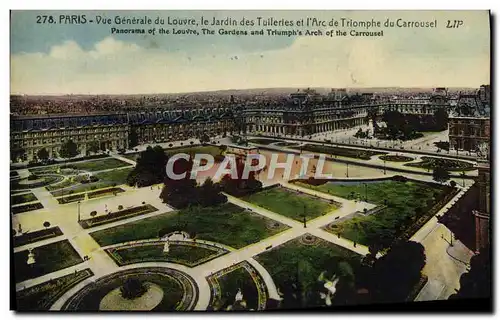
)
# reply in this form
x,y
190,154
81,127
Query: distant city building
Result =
x,y
302,113
469,123
484,94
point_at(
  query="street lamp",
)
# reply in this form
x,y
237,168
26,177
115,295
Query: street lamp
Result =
x,y
384,167
347,170
79,211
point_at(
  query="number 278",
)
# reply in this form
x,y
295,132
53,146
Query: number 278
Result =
x,y
45,19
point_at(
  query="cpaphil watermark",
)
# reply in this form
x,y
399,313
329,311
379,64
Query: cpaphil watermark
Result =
x,y
252,163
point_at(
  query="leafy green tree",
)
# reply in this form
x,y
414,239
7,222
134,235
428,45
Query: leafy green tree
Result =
x,y
239,186
477,282
133,138
93,146
398,271
205,138
150,167
42,154
69,149
133,288
440,174
16,153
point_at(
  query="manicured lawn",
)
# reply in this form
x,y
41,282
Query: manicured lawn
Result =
x,y
89,298
264,141
297,264
117,215
452,165
343,152
104,192
227,224
26,207
106,179
229,284
43,181
22,198
97,165
290,203
185,253
49,258
64,184
287,144
118,176
408,207
35,236
213,150
131,156
41,297
73,198
395,158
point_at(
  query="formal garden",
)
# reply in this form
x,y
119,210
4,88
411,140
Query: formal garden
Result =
x,y
22,198
26,207
34,236
87,166
301,267
240,280
42,296
188,253
406,206
396,158
139,289
47,259
84,183
430,163
263,141
291,203
112,216
340,151
34,181
287,144
227,224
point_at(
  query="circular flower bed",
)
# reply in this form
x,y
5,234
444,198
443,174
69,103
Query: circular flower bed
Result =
x,y
273,225
396,158
308,239
41,181
166,290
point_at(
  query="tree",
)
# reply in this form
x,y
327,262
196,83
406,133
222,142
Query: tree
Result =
x,y
93,213
440,174
205,138
42,154
69,149
93,146
402,265
133,139
150,167
46,224
133,288
240,186
477,282
453,184
16,153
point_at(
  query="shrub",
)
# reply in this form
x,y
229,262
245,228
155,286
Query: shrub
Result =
x,y
120,207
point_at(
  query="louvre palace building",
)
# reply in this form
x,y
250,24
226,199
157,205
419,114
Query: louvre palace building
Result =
x,y
302,113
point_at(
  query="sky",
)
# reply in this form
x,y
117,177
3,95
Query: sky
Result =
x,y
88,59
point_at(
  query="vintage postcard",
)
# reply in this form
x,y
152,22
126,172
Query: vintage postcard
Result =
x,y
250,160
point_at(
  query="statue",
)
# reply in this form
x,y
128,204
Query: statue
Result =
x,y
166,247
31,257
483,150
330,286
